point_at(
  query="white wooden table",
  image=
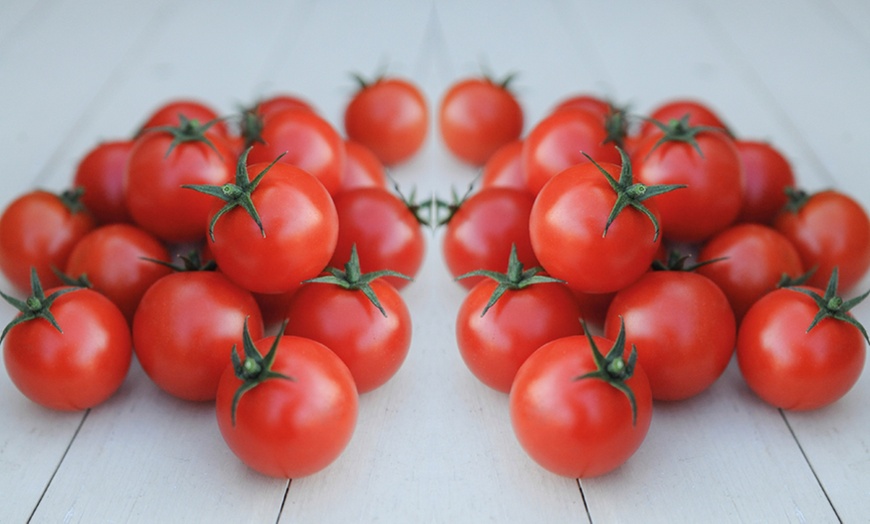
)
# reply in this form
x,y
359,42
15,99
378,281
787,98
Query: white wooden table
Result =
x,y
434,445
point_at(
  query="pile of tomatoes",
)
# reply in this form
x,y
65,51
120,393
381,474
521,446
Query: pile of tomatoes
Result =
x,y
611,260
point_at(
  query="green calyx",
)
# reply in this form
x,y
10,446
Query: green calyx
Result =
x,y
252,127
613,368
616,126
352,278
681,131
630,193
442,211
677,261
832,306
37,305
423,211
786,280
72,200
236,194
256,368
514,279
192,261
187,131
796,199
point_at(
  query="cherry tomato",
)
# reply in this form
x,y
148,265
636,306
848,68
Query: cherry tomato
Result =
x,y
118,260
682,326
505,168
829,229
297,411
574,418
169,114
77,363
477,116
38,230
362,168
767,174
390,117
696,112
101,174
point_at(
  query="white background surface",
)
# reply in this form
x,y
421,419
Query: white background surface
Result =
x,y
434,445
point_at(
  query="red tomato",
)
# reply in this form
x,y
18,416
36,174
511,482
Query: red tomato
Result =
x,y
386,233
101,174
754,260
505,168
477,116
560,140
362,169
767,174
371,339
307,140
706,162
829,229
157,169
185,328
390,117
287,428
169,114
697,113
482,231
75,365
682,326
38,230
495,339
790,361
118,261
574,424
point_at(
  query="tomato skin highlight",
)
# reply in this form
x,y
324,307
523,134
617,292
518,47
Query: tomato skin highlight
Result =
x,y
291,429
576,428
789,367
79,368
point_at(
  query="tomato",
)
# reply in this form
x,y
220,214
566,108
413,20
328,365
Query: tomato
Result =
x,y
170,114
560,140
579,413
504,168
829,229
273,104
696,112
797,352
477,116
185,329
307,141
483,229
362,168
583,232
385,231
160,163
390,117
592,103
271,233
101,174
69,349
754,258
288,414
38,230
706,162
118,260
767,174
682,326
507,316
360,317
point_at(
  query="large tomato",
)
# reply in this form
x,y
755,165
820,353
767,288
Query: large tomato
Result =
x,y
39,230
69,349
101,174
579,413
289,413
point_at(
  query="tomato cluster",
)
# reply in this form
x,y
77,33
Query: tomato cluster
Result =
x,y
251,260
678,242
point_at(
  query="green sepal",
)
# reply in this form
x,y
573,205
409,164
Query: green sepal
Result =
x,y
444,210
678,261
680,130
192,261
796,199
187,131
833,306
37,305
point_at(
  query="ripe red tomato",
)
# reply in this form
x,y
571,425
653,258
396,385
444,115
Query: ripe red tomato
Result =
x,y
767,174
390,117
287,428
76,364
573,418
505,168
362,168
157,169
477,116
829,229
185,328
483,229
792,362
560,140
754,258
38,230
696,112
307,141
682,326
706,162
101,174
386,233
118,261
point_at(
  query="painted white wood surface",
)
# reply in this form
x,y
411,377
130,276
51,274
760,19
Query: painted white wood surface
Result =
x,y
434,445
